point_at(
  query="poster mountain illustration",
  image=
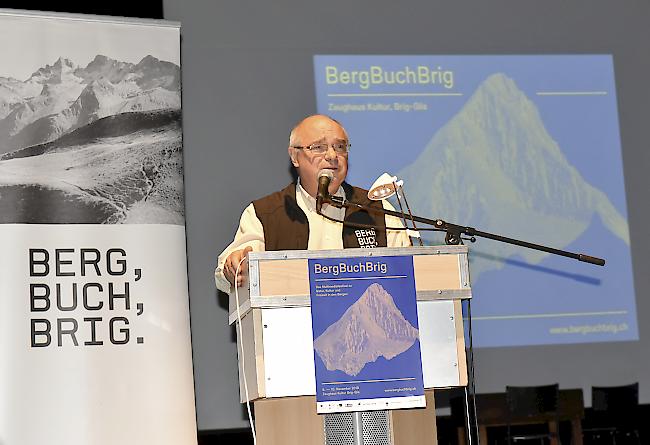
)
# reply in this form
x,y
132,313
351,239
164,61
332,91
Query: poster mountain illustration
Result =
x,y
371,328
495,166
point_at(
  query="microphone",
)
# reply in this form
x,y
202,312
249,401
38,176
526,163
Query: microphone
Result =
x,y
325,176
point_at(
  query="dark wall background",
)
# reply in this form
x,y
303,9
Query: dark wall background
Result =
x,y
248,77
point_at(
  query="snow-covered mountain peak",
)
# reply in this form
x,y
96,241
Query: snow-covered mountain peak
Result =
x,y
372,327
57,73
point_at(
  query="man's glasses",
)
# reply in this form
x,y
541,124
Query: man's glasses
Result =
x,y
320,148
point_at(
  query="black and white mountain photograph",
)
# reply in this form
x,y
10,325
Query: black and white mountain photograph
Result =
x,y
90,128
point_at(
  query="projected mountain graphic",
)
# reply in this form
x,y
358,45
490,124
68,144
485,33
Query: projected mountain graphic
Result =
x,y
495,166
370,328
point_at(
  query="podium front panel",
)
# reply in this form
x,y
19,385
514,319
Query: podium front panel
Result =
x,y
288,352
277,318
442,364
285,338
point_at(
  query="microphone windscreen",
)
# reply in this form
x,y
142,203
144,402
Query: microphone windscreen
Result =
x,y
326,172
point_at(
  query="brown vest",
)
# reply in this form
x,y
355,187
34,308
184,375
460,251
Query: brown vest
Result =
x,y
286,226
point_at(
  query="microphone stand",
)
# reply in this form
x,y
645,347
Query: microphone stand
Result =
x,y
454,236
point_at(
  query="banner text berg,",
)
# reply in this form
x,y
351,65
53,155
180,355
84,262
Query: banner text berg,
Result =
x,y
50,291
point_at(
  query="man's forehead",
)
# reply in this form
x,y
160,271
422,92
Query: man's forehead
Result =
x,y
321,128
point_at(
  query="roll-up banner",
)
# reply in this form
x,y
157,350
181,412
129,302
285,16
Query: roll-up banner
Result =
x,y
94,320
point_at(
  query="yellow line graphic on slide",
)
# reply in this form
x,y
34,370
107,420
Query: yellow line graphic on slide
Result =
x,y
571,93
566,314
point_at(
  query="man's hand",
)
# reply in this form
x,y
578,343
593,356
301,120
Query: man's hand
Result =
x,y
231,263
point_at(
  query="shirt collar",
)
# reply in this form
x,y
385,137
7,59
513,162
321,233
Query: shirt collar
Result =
x,y
307,202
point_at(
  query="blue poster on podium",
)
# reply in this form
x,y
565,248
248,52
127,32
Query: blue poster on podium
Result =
x,y
366,339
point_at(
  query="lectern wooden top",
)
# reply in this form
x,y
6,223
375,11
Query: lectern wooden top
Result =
x,y
281,278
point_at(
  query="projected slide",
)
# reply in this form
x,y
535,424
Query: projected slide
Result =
x,y
521,146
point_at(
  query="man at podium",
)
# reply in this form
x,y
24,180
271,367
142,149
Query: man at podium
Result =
x,y
288,220
285,406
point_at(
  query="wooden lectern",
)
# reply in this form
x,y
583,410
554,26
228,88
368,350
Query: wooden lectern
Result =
x,y
279,356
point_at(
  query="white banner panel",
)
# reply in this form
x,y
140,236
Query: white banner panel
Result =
x,y
94,319
94,335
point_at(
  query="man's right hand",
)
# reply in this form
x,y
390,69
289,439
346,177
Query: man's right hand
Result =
x,y
231,263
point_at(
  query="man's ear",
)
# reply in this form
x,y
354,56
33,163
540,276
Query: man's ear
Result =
x,y
293,155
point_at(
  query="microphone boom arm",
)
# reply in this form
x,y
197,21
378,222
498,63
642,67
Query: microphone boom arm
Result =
x,y
455,231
